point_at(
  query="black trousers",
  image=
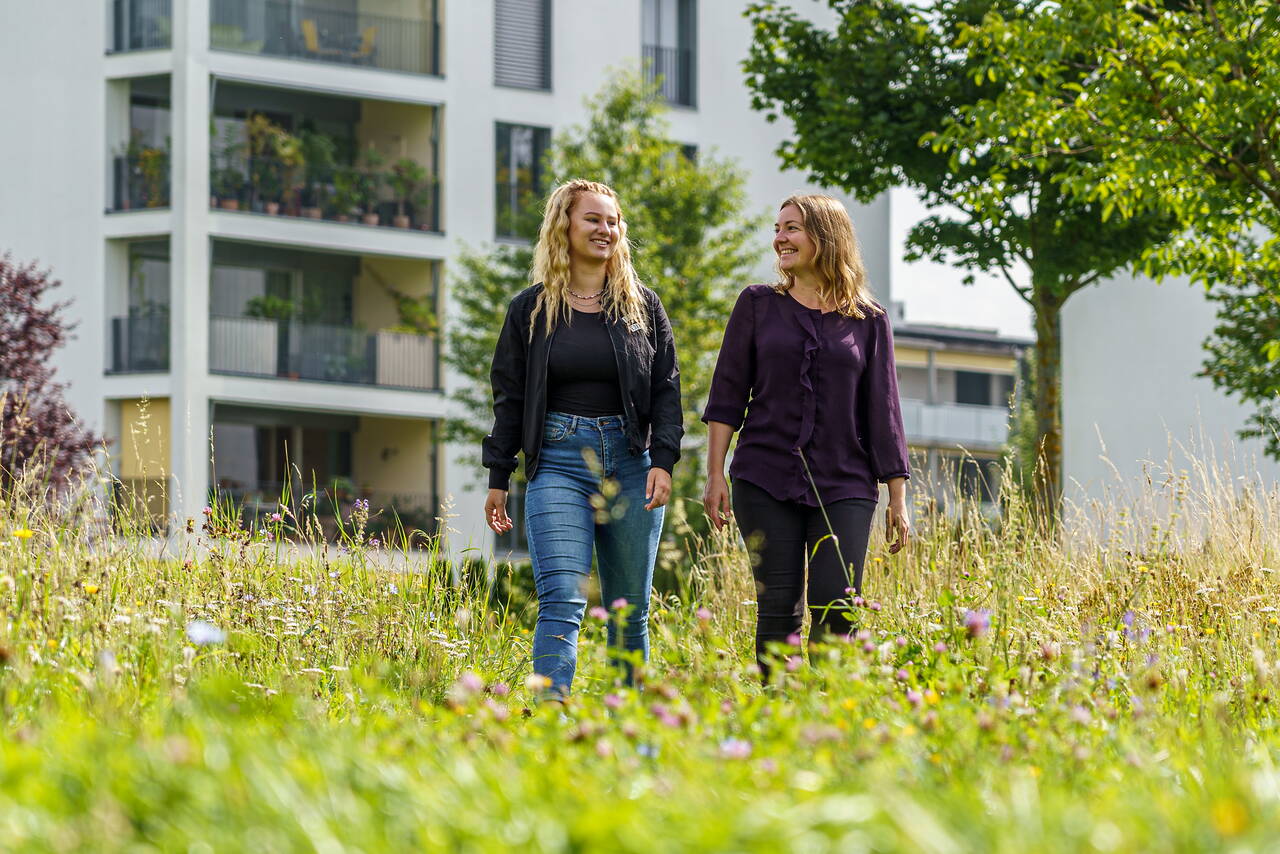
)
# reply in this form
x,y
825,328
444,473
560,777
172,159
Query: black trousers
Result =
x,y
780,535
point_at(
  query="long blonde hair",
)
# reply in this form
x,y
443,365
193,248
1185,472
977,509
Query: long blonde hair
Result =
x,y
622,298
838,259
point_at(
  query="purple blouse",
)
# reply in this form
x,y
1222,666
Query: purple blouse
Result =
x,y
820,383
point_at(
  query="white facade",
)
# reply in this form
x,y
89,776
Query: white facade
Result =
x,y
73,115
1132,403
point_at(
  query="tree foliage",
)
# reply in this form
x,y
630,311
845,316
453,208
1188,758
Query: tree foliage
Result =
x,y
866,100
39,435
691,242
1166,106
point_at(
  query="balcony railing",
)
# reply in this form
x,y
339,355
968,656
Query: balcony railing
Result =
x,y
338,194
332,506
256,347
955,424
141,180
139,343
673,68
141,25
299,31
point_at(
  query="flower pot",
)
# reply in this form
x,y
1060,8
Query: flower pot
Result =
x,y
273,208
312,213
342,218
229,204
400,221
369,219
213,201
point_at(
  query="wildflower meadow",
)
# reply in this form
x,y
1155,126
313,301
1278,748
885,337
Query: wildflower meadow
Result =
x,y
1107,685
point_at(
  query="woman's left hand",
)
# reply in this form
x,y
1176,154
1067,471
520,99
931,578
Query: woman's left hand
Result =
x,y
897,527
658,489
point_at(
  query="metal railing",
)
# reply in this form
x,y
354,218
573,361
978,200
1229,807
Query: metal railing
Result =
x,y
141,25
337,194
300,31
955,424
139,343
251,346
331,505
673,69
140,181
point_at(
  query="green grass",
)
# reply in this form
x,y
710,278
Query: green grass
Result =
x,y
1120,698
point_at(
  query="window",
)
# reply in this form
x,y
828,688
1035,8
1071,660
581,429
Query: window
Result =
x,y
518,177
522,43
973,388
669,30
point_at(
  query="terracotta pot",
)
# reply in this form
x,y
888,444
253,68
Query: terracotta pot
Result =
x,y
342,218
229,204
369,219
400,221
273,208
213,201
312,213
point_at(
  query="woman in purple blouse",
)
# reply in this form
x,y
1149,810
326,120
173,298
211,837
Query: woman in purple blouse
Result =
x,y
806,374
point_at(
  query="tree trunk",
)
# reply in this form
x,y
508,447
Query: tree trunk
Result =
x,y
1048,403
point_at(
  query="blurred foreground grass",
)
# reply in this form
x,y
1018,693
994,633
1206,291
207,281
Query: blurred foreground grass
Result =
x,y
1003,689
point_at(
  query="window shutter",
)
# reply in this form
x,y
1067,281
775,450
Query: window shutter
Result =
x,y
522,44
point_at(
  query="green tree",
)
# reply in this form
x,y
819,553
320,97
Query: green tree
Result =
x,y
1170,106
865,100
692,243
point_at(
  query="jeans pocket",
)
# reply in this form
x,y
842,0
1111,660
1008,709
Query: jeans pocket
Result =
x,y
555,429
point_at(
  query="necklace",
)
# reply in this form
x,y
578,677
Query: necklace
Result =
x,y
591,298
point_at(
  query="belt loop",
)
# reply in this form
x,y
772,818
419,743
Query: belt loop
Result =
x,y
573,424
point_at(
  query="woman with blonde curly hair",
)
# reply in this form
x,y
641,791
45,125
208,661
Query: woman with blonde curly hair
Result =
x,y
806,373
585,382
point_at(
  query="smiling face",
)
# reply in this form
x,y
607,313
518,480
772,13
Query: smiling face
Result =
x,y
794,246
595,228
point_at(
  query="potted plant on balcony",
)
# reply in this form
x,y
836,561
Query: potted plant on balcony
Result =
x,y
153,162
226,181
370,184
407,179
319,153
265,178
424,206
346,192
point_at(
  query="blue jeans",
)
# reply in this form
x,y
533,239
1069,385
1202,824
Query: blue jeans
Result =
x,y
586,461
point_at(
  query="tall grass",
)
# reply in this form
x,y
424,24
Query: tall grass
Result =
x,y
1006,686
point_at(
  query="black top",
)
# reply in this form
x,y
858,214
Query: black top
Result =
x,y
648,374
582,374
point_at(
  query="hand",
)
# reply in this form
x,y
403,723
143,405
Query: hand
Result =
x,y
495,511
658,489
715,501
897,528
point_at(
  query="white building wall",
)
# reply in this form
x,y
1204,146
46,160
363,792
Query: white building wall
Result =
x,y
1131,397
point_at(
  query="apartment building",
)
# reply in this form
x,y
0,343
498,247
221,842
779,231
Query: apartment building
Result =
x,y
254,205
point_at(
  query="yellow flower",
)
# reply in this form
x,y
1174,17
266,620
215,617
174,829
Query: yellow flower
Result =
x,y
1229,817
1210,630
908,730
931,697
51,643
935,758
91,589
24,533
849,704
869,723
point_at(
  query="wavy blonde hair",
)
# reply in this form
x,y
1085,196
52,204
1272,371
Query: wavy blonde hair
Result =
x,y
622,298
838,259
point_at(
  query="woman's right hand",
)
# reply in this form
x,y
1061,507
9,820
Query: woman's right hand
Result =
x,y
715,501
495,511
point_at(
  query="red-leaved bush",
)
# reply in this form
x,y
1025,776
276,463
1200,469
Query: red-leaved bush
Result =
x,y
39,435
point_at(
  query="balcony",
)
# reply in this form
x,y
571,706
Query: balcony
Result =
x,y
290,349
364,38
672,68
403,196
141,25
141,180
139,344
331,507
955,424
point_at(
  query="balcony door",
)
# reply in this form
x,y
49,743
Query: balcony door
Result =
x,y
669,30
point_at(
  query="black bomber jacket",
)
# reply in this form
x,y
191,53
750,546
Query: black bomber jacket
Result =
x,y
647,372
